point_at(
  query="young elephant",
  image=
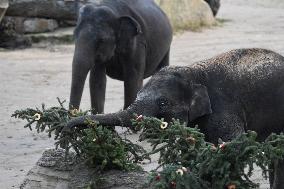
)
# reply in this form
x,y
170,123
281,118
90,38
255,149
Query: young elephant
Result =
x,y
226,95
127,40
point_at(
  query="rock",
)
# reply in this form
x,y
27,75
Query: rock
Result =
x,y
67,23
10,39
53,170
61,35
187,14
52,9
32,25
183,14
39,25
16,23
214,5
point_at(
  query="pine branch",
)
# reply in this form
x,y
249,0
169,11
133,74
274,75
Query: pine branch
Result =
x,y
181,148
99,146
188,161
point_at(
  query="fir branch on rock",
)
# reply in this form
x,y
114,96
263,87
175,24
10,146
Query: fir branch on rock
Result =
x,y
99,146
50,120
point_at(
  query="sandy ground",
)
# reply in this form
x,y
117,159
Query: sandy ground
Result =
x,y
32,76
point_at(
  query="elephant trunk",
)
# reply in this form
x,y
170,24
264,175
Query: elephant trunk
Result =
x,y
77,86
82,63
121,118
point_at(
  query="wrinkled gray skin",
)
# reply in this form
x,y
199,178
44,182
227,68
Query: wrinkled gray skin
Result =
x,y
128,40
234,92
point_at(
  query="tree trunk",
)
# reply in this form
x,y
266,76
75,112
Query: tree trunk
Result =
x,y
54,9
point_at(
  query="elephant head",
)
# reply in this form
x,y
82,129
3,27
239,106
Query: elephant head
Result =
x,y
170,93
99,33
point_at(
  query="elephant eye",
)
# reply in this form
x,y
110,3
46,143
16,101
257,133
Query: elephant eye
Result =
x,y
162,102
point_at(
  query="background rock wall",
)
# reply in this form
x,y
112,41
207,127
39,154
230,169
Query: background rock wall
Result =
x,y
30,14
39,16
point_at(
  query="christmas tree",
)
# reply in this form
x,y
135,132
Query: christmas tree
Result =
x,y
186,160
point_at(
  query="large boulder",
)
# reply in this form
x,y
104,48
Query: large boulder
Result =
x,y
39,25
32,25
187,14
52,9
53,170
9,38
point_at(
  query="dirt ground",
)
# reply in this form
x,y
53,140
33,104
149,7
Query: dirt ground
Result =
x,y
32,76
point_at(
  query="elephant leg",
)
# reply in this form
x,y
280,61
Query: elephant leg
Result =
x,y
134,68
131,89
278,178
165,61
98,88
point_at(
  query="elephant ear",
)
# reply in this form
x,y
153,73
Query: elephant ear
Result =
x,y
200,103
128,26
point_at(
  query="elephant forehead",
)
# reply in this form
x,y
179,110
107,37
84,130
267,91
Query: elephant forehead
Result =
x,y
153,92
145,95
96,12
166,82
99,31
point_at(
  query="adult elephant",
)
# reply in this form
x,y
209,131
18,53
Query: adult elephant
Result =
x,y
128,40
234,92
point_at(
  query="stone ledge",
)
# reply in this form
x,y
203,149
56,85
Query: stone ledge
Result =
x,y
54,171
61,35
